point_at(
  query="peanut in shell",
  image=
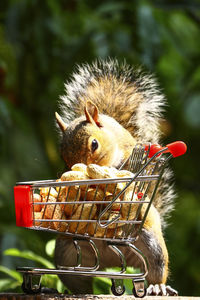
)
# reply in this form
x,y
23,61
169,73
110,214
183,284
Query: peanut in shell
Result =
x,y
83,212
69,194
37,198
80,167
73,175
45,191
93,194
129,210
99,232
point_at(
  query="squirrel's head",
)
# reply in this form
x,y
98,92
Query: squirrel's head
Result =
x,y
87,139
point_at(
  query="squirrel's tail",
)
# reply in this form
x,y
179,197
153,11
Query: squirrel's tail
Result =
x,y
128,95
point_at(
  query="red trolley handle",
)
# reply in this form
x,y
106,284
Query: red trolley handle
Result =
x,y
176,149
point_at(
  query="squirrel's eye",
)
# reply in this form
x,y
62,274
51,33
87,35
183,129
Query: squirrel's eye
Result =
x,y
94,145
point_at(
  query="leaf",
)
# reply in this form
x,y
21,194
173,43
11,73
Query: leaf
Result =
x,y
49,281
8,284
101,285
12,273
61,288
29,255
50,247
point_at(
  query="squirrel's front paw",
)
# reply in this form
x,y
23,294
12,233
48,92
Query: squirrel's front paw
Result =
x,y
161,290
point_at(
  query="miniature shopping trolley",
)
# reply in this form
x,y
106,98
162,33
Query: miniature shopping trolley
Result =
x,y
107,209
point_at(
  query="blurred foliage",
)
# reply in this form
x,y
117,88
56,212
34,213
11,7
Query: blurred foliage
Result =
x,y
14,281
40,43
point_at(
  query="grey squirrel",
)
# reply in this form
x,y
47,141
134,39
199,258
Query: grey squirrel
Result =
x,y
107,109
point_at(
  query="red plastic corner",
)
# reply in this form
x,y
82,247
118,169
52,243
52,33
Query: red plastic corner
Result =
x,y
177,148
23,205
154,148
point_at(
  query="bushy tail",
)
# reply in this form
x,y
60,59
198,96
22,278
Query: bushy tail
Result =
x,y
124,93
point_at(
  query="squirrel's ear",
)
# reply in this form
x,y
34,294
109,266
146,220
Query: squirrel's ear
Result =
x,y
61,123
92,113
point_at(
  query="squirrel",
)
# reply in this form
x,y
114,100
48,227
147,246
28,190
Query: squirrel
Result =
x,y
107,109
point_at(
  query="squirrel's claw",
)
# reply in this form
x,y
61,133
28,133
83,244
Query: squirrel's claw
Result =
x,y
161,290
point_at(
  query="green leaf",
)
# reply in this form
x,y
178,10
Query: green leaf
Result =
x,y
49,281
8,284
50,247
53,281
61,288
29,255
12,273
101,285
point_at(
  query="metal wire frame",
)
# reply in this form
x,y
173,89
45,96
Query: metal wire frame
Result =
x,y
147,175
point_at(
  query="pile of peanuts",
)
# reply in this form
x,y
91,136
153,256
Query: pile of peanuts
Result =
x,y
86,211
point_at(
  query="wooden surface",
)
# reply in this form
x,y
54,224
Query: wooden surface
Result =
x,y
4,296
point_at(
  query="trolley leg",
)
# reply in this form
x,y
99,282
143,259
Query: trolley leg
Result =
x,y
117,287
138,288
31,284
78,266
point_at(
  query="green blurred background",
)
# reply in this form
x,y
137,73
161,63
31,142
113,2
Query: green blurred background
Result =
x,y
40,44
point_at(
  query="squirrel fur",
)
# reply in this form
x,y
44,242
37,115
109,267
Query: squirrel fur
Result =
x,y
107,109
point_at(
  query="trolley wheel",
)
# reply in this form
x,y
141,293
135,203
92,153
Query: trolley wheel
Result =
x,y
140,294
117,287
138,288
28,285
